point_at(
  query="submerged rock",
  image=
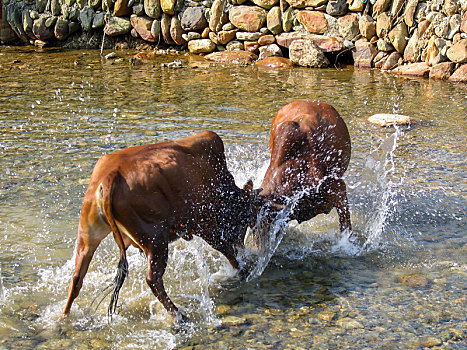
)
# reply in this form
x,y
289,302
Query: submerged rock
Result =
x,y
415,69
275,62
384,120
414,280
236,57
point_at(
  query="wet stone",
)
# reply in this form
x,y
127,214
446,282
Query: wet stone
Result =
x,y
414,280
327,316
429,341
233,321
384,120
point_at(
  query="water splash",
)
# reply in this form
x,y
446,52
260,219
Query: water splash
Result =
x,y
374,192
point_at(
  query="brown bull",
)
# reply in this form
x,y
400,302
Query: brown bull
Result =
x,y
310,151
151,195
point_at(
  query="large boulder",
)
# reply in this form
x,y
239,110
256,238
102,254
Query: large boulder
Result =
x,y
463,27
348,26
117,26
165,29
314,21
193,19
442,70
143,26
201,46
218,16
398,37
14,19
61,30
460,75
306,53
363,54
248,18
86,16
380,6
269,51
42,30
383,25
337,7
458,52
325,43
274,20
413,49
176,31
152,8
121,8
168,6
7,35
367,26
420,69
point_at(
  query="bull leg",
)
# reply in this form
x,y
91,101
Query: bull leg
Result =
x,y
88,241
229,252
157,263
342,206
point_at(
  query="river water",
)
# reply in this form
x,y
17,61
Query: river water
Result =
x,y
402,285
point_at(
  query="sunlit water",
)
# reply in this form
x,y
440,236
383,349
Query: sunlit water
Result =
x,y
311,287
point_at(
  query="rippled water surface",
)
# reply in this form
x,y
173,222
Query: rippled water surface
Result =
x,y
402,286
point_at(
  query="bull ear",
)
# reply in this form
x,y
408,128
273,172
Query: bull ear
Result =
x,y
248,186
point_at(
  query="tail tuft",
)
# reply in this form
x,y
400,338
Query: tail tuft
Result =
x,y
122,272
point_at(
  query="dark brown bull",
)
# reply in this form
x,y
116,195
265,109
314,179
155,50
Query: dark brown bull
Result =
x,y
151,195
310,151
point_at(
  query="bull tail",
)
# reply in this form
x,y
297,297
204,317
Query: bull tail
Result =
x,y
104,194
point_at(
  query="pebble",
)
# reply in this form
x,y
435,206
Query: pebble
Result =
x,y
233,321
110,56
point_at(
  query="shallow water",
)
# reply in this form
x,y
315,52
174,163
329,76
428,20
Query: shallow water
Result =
x,y
402,286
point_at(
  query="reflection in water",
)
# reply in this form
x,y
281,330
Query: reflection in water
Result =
x,y
406,190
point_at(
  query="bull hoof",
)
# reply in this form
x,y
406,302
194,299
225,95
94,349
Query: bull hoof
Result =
x,y
181,323
243,274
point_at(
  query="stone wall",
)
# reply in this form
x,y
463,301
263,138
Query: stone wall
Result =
x,y
380,33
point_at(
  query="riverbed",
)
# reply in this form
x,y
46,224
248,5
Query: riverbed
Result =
x,y
402,285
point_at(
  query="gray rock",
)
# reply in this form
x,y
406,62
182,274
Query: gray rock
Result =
x,y
117,26
193,18
156,29
41,5
138,9
41,30
98,20
234,45
14,17
62,28
336,7
384,45
270,50
28,23
153,8
55,7
86,16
